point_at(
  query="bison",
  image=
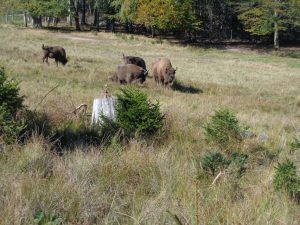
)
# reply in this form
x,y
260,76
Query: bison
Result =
x,y
56,52
163,72
134,60
129,73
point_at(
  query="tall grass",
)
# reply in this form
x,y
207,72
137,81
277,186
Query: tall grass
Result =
x,y
142,181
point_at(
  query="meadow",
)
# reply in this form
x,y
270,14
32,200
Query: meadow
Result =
x,y
148,182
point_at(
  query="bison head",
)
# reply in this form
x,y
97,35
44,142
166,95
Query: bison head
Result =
x,y
170,75
64,61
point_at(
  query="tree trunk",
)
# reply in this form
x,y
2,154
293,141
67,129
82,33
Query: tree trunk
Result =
x,y
96,18
76,14
69,18
276,37
152,32
25,19
83,19
6,18
48,21
37,22
276,32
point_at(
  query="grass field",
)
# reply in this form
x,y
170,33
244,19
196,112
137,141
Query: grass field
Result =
x,y
142,182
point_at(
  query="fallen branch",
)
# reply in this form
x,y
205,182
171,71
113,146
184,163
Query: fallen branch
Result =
x,y
80,110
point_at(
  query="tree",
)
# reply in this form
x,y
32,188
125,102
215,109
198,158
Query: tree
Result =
x,y
167,15
126,12
75,12
264,17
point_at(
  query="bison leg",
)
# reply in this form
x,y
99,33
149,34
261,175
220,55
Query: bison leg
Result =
x,y
45,59
56,61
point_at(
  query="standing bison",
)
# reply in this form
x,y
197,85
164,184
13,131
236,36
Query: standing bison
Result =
x,y
134,60
129,73
56,52
163,72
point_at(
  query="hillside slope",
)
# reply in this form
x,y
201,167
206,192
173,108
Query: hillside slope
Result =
x,y
142,182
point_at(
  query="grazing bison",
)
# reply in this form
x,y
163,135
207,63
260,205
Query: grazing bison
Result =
x,y
134,60
163,72
129,73
58,53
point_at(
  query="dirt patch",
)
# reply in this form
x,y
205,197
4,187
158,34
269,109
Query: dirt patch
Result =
x,y
77,38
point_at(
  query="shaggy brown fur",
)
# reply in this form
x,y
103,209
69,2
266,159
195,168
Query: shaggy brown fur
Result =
x,y
134,60
56,52
129,73
163,72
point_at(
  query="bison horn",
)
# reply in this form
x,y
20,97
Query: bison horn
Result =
x,y
146,72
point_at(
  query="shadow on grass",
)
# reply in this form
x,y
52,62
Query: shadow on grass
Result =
x,y
178,86
64,136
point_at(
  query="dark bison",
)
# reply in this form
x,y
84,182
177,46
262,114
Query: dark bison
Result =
x,y
56,52
134,60
129,73
163,72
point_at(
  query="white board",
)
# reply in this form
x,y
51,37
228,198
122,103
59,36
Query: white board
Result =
x,y
105,106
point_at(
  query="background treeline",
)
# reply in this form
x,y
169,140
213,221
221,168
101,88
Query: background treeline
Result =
x,y
192,20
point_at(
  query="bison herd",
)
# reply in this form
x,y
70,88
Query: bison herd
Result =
x,y
132,71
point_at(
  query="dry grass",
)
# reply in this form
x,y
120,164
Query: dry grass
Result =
x,y
138,183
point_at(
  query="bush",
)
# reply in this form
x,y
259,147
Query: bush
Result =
x,y
9,94
42,218
10,103
223,129
9,128
237,163
295,143
286,179
136,115
108,130
213,162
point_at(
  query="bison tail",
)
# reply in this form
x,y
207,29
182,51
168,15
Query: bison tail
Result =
x,y
43,46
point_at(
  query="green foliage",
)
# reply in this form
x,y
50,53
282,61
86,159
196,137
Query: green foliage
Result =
x,y
237,163
223,129
168,14
52,8
136,115
286,179
9,128
10,103
295,143
263,17
42,218
213,162
9,94
126,9
108,129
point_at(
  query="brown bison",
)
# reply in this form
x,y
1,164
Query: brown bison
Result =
x,y
129,73
56,52
163,72
134,60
